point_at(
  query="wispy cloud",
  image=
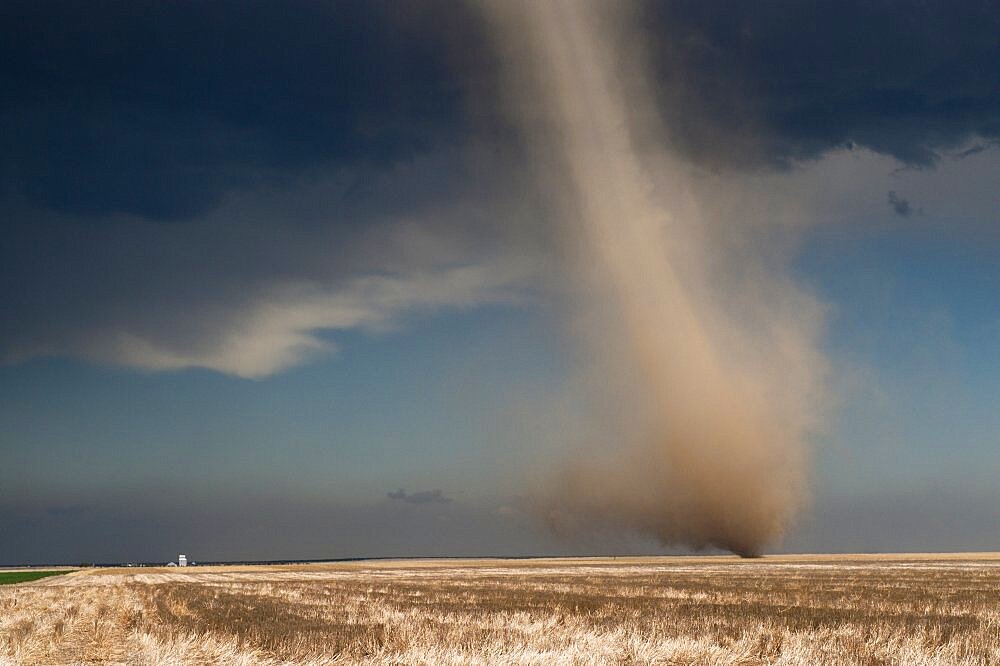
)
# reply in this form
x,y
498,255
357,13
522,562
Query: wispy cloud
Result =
x,y
901,206
285,327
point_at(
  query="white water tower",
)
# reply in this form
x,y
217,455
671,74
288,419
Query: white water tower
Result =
x,y
182,560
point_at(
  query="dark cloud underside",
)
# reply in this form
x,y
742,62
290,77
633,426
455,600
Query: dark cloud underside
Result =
x,y
157,109
767,83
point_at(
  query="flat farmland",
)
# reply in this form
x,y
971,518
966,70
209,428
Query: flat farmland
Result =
x,y
852,609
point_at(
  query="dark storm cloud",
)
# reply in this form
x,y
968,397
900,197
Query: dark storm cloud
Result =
x,y
435,496
753,83
158,109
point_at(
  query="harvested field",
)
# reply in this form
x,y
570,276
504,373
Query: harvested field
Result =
x,y
716,610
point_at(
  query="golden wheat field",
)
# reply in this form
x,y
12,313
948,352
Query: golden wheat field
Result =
x,y
930,609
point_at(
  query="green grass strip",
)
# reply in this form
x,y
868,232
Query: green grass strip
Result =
x,y
12,577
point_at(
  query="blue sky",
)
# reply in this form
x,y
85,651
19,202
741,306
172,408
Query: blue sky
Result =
x,y
248,292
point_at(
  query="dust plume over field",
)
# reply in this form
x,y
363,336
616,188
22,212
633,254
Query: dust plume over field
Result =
x,y
704,361
841,610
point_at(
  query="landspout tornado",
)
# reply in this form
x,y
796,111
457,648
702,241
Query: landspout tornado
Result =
x,y
705,360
